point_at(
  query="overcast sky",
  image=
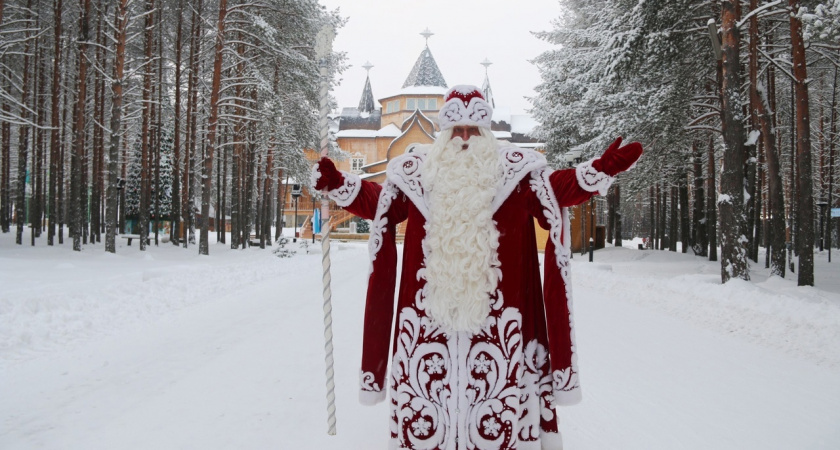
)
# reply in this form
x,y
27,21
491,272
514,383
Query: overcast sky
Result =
x,y
387,33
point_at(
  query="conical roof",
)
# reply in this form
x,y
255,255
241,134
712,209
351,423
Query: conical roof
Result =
x,y
367,104
425,72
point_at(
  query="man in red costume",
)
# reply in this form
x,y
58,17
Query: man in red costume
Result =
x,y
481,350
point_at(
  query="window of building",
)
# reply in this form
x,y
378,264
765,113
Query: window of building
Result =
x,y
431,103
392,107
411,104
357,163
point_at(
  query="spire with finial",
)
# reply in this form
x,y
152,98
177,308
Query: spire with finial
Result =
x,y
425,71
427,34
488,92
367,104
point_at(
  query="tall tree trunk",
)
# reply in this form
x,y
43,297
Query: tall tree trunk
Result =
x,y
223,187
212,124
159,126
610,215
23,141
652,239
674,222
281,203
266,224
711,203
192,114
120,28
38,141
6,145
617,205
805,208
662,198
98,137
751,153
146,123
175,212
235,190
62,185
685,235
700,241
833,134
733,260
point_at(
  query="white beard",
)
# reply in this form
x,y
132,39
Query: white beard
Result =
x,y
461,245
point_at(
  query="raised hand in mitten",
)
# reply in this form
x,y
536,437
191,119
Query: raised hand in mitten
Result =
x,y
325,176
618,159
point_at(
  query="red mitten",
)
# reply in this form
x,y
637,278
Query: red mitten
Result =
x,y
329,178
618,159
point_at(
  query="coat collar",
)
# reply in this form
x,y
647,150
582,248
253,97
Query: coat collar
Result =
x,y
406,171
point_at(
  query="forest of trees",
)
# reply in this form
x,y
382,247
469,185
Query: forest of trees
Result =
x,y
736,105
138,111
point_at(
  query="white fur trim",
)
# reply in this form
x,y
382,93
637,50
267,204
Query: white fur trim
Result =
x,y
345,194
405,172
516,164
379,225
566,385
478,113
591,180
551,441
370,398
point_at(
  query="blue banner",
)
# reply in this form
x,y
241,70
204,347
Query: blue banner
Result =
x,y
316,221
835,212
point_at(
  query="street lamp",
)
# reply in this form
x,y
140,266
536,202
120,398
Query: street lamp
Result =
x,y
296,193
823,205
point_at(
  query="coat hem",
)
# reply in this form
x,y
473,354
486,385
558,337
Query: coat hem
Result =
x,y
371,398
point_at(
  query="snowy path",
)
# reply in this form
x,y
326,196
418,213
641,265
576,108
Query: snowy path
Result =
x,y
237,362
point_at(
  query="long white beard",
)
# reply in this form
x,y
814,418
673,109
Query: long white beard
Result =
x,y
461,245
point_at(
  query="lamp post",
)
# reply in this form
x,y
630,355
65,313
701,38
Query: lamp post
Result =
x,y
823,205
572,157
296,193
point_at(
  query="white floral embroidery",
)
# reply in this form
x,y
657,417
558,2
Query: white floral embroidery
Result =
x,y
366,380
491,426
421,427
435,364
405,172
592,180
481,364
535,389
421,396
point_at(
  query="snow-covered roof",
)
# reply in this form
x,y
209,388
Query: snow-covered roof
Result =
x,y
501,114
423,90
502,134
370,175
390,130
522,123
425,72
373,164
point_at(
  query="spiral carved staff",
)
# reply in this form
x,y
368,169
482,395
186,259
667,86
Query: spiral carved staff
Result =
x,y
323,48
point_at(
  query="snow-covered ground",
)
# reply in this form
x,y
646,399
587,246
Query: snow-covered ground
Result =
x,y
166,349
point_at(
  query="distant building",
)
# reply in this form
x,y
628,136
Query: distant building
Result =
x,y
373,136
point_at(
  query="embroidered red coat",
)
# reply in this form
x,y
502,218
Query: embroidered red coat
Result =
x,y
495,389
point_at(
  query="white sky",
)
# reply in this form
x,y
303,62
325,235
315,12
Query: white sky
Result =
x,y
387,33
